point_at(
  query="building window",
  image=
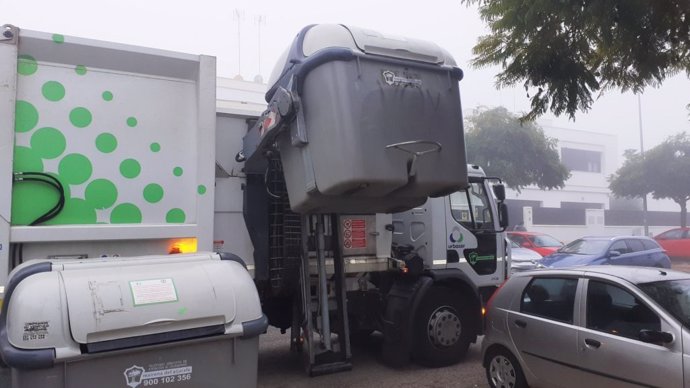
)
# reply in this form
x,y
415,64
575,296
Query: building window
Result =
x,y
581,160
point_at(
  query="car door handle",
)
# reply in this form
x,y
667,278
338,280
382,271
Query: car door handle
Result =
x,y
592,343
520,323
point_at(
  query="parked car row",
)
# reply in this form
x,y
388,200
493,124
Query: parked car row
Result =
x,y
594,250
598,311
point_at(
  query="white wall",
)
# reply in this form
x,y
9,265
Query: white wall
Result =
x,y
595,227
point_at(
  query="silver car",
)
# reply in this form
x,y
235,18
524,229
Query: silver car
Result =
x,y
603,326
522,259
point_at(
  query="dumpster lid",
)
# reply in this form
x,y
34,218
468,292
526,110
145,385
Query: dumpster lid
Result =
x,y
138,298
315,38
373,42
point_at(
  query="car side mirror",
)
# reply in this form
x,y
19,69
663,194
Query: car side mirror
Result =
x,y
655,337
614,253
524,245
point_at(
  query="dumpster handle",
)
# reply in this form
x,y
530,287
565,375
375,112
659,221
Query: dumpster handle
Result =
x,y
412,165
255,327
23,358
162,321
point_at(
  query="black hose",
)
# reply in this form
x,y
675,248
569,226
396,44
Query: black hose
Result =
x,y
51,181
17,249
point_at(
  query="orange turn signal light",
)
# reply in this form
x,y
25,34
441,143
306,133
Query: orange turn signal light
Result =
x,y
184,245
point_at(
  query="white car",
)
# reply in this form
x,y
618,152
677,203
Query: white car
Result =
x,y
522,259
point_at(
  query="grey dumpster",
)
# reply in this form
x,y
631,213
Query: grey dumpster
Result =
x,y
379,126
164,321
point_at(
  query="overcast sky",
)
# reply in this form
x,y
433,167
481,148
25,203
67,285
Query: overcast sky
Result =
x,y
211,27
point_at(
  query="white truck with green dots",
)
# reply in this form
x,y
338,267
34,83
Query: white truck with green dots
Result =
x,y
114,150
104,149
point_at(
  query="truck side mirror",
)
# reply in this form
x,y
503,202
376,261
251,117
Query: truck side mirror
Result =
x,y
500,192
503,215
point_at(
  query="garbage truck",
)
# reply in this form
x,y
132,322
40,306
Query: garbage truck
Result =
x,y
361,210
347,197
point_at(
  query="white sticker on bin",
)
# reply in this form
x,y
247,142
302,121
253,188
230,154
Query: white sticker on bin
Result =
x,y
153,291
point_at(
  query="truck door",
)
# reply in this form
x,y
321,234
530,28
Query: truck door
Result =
x,y
475,241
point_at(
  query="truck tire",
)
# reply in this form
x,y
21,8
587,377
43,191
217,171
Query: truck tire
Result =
x,y
442,328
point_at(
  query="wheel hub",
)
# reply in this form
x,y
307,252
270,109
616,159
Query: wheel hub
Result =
x,y
444,327
502,372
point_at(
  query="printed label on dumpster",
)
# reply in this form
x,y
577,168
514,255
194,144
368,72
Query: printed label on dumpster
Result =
x,y
158,374
153,291
35,330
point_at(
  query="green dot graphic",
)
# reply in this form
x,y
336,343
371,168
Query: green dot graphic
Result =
x,y
53,91
76,211
49,143
177,171
80,69
25,116
75,169
155,147
107,95
27,160
201,189
130,168
132,122
106,142
57,38
101,193
26,65
80,117
175,216
153,193
125,213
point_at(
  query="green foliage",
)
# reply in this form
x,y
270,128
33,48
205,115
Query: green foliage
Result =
x,y
664,172
520,154
563,51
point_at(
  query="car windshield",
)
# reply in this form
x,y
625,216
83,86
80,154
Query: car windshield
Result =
x,y
545,241
513,244
585,247
673,296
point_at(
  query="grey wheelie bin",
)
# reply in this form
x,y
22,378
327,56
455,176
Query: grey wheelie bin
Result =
x,y
160,321
377,126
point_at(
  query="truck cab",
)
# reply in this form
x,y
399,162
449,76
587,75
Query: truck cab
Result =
x,y
463,230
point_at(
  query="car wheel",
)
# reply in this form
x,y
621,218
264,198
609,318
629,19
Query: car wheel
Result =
x,y
443,328
503,370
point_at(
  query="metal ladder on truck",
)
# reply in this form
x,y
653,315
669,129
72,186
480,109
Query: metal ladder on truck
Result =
x,y
324,322
327,341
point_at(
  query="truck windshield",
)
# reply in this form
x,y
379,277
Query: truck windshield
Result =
x,y
472,207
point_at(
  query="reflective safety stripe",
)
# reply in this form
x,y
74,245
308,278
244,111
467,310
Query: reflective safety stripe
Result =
x,y
440,262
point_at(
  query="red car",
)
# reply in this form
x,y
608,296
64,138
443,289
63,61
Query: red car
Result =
x,y
539,242
676,242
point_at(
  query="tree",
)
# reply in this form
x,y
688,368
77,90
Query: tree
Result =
x,y
563,51
663,171
518,153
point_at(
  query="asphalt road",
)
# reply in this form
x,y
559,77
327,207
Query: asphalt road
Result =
x,y
279,368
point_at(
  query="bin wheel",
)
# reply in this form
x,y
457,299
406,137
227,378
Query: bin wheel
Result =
x,y
503,370
443,328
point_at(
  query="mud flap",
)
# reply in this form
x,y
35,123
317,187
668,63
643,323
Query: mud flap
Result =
x,y
401,306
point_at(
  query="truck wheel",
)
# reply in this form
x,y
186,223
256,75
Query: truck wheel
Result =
x,y
443,328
